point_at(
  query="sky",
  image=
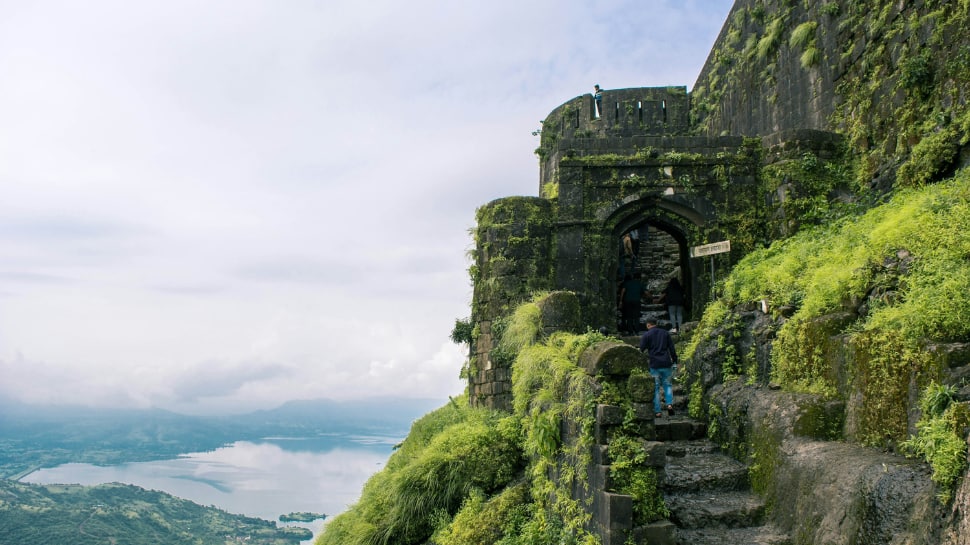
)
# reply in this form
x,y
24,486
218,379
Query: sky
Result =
x,y
218,206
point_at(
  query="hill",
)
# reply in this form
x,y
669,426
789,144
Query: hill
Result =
x,y
116,513
44,436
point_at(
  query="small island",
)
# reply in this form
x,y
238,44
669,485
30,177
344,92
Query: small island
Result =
x,y
302,516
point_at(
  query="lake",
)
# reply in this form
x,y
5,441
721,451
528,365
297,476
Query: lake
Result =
x,y
266,479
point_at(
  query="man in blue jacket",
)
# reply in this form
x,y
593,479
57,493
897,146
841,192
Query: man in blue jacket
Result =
x,y
659,347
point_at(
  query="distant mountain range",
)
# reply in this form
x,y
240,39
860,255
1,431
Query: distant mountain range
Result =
x,y
33,436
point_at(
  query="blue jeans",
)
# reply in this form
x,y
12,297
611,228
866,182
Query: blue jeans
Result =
x,y
661,377
676,313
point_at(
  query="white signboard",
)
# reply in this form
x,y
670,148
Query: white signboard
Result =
x,y
711,249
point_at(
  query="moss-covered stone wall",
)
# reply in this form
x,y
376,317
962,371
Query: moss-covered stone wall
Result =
x,y
889,75
602,178
512,260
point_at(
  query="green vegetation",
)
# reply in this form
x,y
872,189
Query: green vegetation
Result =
x,y
893,92
926,72
471,475
771,39
115,513
462,332
898,275
302,516
940,438
933,156
628,470
766,460
803,37
809,183
449,454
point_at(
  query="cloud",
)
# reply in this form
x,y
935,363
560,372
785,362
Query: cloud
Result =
x,y
222,378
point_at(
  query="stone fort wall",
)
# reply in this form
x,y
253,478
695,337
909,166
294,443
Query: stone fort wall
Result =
x,y
785,79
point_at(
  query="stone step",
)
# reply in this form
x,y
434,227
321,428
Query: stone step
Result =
x,y
679,428
759,535
708,492
679,449
704,471
716,509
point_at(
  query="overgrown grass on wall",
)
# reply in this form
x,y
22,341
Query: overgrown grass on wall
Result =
x,y
889,283
899,94
900,277
450,455
467,475
940,439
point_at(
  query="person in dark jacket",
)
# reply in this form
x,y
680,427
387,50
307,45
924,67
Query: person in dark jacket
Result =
x,y
673,297
660,351
630,294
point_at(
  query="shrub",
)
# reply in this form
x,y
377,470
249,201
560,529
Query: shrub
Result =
x,y
630,476
940,437
462,332
916,73
931,157
497,520
803,35
450,454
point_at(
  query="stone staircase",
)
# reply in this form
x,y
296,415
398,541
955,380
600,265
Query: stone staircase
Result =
x,y
707,491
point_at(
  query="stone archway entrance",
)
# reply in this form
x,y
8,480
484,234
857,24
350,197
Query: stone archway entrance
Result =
x,y
649,254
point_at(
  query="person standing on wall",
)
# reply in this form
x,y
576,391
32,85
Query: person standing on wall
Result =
x,y
659,347
598,99
673,297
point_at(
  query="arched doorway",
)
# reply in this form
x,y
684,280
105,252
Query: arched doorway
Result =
x,y
660,233
650,256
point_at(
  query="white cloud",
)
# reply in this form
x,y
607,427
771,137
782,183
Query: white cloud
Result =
x,y
221,205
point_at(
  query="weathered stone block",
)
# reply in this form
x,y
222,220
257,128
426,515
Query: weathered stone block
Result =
x,y
599,477
615,511
601,455
641,388
656,453
602,433
609,415
646,430
656,533
677,430
950,354
643,412
560,312
610,358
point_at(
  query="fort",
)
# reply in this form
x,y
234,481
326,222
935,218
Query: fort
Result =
x,y
635,168
739,158
817,139
821,109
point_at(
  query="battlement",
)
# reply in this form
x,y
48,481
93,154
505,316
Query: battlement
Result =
x,y
639,111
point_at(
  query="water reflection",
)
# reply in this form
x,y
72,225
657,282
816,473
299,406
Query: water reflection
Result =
x,y
266,480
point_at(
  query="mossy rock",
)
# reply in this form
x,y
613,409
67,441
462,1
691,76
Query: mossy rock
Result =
x,y
611,358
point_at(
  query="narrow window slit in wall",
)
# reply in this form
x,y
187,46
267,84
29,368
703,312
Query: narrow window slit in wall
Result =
x,y
663,106
639,111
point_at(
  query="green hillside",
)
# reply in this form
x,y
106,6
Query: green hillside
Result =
x,y
116,513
